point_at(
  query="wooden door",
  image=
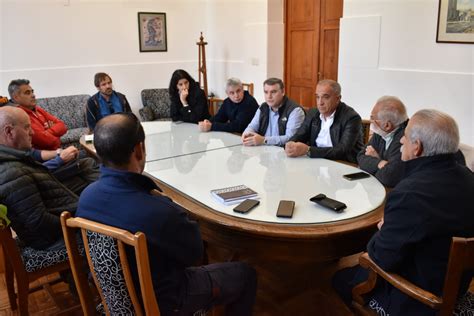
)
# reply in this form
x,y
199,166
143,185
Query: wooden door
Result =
x,y
311,46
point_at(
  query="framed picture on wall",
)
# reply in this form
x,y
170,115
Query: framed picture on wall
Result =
x,y
152,31
455,21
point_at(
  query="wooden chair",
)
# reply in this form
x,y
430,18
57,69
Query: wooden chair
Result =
x,y
366,131
248,87
215,103
105,249
26,265
461,259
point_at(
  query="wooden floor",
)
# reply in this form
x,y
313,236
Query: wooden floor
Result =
x,y
270,303
40,302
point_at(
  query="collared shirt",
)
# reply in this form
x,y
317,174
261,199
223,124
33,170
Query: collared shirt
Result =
x,y
324,136
272,134
111,106
389,137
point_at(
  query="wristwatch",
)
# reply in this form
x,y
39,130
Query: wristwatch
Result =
x,y
58,151
265,141
308,153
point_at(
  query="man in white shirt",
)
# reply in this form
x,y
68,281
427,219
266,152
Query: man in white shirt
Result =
x,y
333,130
277,119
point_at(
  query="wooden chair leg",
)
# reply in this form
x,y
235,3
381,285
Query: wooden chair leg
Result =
x,y
23,286
9,280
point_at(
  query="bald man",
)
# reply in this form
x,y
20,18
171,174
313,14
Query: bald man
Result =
x,y
429,206
123,197
33,196
381,157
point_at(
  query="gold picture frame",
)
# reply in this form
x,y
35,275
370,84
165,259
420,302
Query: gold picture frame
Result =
x,y
152,31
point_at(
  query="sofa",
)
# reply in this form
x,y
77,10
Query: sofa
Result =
x,y
71,110
156,105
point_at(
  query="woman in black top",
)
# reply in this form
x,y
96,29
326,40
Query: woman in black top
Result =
x,y
188,101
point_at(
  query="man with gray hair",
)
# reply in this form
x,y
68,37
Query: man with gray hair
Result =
x,y
236,111
429,206
332,131
381,157
47,128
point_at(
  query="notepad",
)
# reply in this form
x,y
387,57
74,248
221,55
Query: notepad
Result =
x,y
233,195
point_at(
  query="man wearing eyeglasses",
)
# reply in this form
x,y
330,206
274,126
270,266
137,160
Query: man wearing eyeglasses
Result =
x,y
332,131
381,157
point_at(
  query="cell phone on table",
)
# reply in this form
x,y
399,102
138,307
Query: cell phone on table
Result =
x,y
285,209
246,206
331,204
356,176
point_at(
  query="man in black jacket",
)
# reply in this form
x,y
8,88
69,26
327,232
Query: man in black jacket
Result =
x,y
429,206
332,131
33,196
277,119
381,157
236,111
104,102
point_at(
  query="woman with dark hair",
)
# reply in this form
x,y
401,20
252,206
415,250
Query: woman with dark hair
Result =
x,y
188,101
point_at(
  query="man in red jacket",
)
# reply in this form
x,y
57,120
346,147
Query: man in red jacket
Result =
x,y
47,128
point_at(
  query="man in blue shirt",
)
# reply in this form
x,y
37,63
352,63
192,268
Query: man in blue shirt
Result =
x,y
277,119
236,111
104,102
124,198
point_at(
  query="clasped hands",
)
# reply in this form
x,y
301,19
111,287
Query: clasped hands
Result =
x,y
69,153
296,149
204,126
252,139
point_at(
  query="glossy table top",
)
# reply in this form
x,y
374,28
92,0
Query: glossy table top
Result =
x,y
165,139
267,170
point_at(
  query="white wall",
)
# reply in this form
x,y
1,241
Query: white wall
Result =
x,y
60,44
389,47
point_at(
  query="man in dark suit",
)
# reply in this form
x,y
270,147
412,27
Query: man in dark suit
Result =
x,y
332,131
381,157
424,211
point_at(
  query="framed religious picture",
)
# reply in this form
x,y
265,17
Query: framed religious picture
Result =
x,y
455,21
152,31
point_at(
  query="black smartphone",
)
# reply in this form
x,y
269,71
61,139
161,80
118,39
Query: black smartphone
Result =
x,y
323,200
246,206
285,209
356,176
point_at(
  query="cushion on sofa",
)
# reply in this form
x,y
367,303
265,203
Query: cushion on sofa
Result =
x,y
156,105
71,110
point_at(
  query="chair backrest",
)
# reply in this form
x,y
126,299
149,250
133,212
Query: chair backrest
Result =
x,y
366,131
468,152
10,249
461,259
159,101
105,248
69,109
248,87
